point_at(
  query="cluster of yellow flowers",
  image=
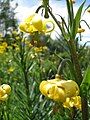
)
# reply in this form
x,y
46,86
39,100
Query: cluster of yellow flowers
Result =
x,y
3,47
35,23
4,92
40,49
60,90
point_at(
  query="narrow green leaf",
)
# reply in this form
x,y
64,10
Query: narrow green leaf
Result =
x,y
70,12
86,78
76,21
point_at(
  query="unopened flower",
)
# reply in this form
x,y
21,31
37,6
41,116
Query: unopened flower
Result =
x,y
80,30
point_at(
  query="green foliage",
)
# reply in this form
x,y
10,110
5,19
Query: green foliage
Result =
x,y
76,21
24,64
86,79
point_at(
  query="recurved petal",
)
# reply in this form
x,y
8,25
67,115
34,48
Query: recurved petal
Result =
x,y
44,87
71,88
57,94
23,27
4,98
37,22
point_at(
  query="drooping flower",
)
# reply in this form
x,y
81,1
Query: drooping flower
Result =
x,y
7,88
52,91
35,23
58,89
4,92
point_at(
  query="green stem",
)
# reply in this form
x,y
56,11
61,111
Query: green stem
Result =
x,y
54,18
85,114
27,87
75,61
24,70
39,8
78,73
62,65
79,78
77,69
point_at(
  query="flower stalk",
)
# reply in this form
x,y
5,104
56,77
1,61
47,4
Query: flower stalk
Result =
x,y
77,69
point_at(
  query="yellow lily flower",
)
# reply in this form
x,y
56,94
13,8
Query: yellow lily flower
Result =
x,y
7,88
58,89
4,91
35,23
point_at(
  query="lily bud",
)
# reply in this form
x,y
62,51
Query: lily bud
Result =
x,y
80,30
